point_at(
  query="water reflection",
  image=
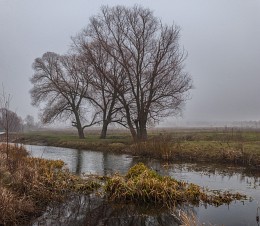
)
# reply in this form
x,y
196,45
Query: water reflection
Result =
x,y
88,162
217,177
104,163
92,211
85,211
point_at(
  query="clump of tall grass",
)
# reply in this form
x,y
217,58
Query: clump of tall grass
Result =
x,y
157,146
145,186
28,184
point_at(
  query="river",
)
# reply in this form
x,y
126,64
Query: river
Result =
x,y
89,210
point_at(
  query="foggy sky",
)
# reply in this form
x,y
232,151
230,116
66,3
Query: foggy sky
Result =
x,y
222,38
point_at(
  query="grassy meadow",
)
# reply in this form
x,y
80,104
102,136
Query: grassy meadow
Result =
x,y
226,145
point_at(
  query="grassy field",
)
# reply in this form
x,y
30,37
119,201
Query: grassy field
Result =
x,y
231,145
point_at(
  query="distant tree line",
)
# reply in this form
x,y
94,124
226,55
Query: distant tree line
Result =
x,y
10,122
125,67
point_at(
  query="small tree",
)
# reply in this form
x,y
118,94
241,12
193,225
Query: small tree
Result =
x,y
61,84
9,120
29,122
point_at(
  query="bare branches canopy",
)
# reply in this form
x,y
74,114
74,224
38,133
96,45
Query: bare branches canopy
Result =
x,y
132,64
61,82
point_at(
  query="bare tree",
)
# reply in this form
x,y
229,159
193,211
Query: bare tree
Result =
x,y
153,84
29,122
104,94
61,83
9,120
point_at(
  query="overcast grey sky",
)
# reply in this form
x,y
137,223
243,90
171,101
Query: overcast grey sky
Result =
x,y
222,38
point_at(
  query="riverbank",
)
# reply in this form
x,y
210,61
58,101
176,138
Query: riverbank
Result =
x,y
43,181
221,145
28,185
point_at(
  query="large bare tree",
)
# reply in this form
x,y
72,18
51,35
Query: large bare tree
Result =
x,y
61,84
153,83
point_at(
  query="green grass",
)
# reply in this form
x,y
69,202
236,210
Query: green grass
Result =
x,y
239,146
114,142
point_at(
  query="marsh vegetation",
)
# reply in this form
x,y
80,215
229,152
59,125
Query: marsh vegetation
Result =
x,y
30,184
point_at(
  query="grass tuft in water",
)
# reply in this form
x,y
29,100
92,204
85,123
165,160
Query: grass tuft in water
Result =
x,y
144,186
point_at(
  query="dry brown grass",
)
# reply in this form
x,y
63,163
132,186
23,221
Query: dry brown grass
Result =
x,y
14,209
144,186
28,184
158,147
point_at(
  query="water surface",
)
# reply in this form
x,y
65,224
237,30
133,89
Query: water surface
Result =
x,y
91,211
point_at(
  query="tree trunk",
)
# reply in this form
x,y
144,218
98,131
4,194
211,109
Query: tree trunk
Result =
x,y
137,127
80,132
130,125
103,134
133,132
141,130
78,126
143,133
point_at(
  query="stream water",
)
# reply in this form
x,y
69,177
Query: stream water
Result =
x,y
91,210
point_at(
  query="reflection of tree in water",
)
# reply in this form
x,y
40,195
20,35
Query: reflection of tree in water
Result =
x,y
78,162
129,215
70,212
92,211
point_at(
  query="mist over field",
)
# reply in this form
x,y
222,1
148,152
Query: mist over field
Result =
x,y
220,37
